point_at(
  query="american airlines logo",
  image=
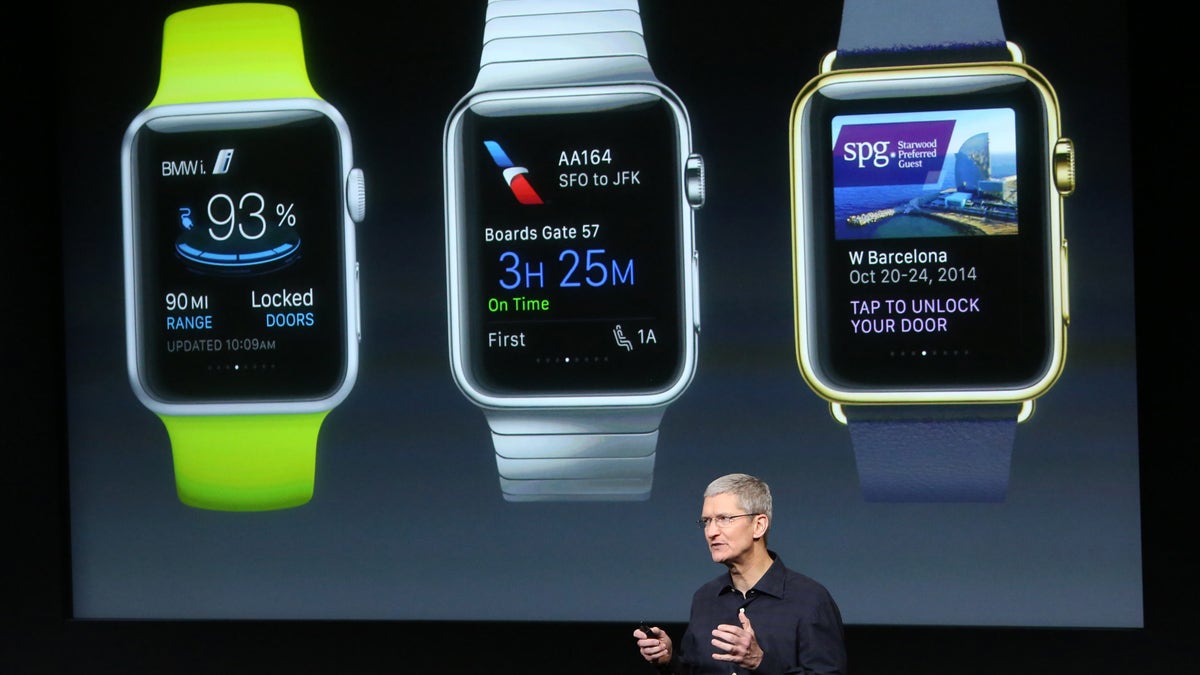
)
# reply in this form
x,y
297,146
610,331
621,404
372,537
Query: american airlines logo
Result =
x,y
513,175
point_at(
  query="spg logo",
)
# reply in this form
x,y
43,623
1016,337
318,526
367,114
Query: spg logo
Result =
x,y
875,152
513,175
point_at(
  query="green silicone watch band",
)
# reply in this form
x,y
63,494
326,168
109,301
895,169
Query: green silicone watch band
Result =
x,y
238,52
234,52
244,462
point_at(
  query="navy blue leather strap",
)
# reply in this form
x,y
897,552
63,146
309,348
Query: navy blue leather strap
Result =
x,y
927,453
933,453
912,32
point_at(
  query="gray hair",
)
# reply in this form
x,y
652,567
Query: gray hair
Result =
x,y
752,493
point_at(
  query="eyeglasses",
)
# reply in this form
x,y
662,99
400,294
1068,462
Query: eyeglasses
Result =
x,y
722,522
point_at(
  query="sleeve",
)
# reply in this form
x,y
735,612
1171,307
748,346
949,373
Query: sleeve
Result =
x,y
820,640
683,661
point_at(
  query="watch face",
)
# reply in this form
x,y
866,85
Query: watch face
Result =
x,y
930,236
238,257
571,232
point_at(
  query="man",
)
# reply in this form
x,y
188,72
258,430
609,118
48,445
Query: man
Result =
x,y
760,617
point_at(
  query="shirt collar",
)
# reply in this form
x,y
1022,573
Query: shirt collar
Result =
x,y
771,582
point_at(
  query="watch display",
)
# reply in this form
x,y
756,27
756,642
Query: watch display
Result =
x,y
571,237
927,263
240,257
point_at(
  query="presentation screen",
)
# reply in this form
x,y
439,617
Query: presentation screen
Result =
x,y
386,352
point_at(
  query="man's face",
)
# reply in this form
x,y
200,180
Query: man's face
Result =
x,y
732,543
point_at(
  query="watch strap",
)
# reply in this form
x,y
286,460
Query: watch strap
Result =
x,y
591,454
546,43
927,453
560,454
933,453
244,462
878,33
238,52
232,52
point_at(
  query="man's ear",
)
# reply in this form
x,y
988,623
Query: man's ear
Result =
x,y
761,524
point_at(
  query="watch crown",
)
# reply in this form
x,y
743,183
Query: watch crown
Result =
x,y
1064,166
693,180
356,195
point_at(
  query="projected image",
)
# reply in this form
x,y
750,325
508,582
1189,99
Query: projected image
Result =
x,y
247,286
928,174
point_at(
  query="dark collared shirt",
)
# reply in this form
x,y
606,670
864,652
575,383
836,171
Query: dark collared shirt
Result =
x,y
795,621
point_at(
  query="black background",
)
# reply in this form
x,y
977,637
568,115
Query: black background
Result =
x,y
39,635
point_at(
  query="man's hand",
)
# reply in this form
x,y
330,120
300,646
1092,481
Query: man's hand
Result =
x,y
738,642
655,648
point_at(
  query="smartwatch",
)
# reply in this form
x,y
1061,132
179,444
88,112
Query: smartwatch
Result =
x,y
241,297
572,275
929,256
